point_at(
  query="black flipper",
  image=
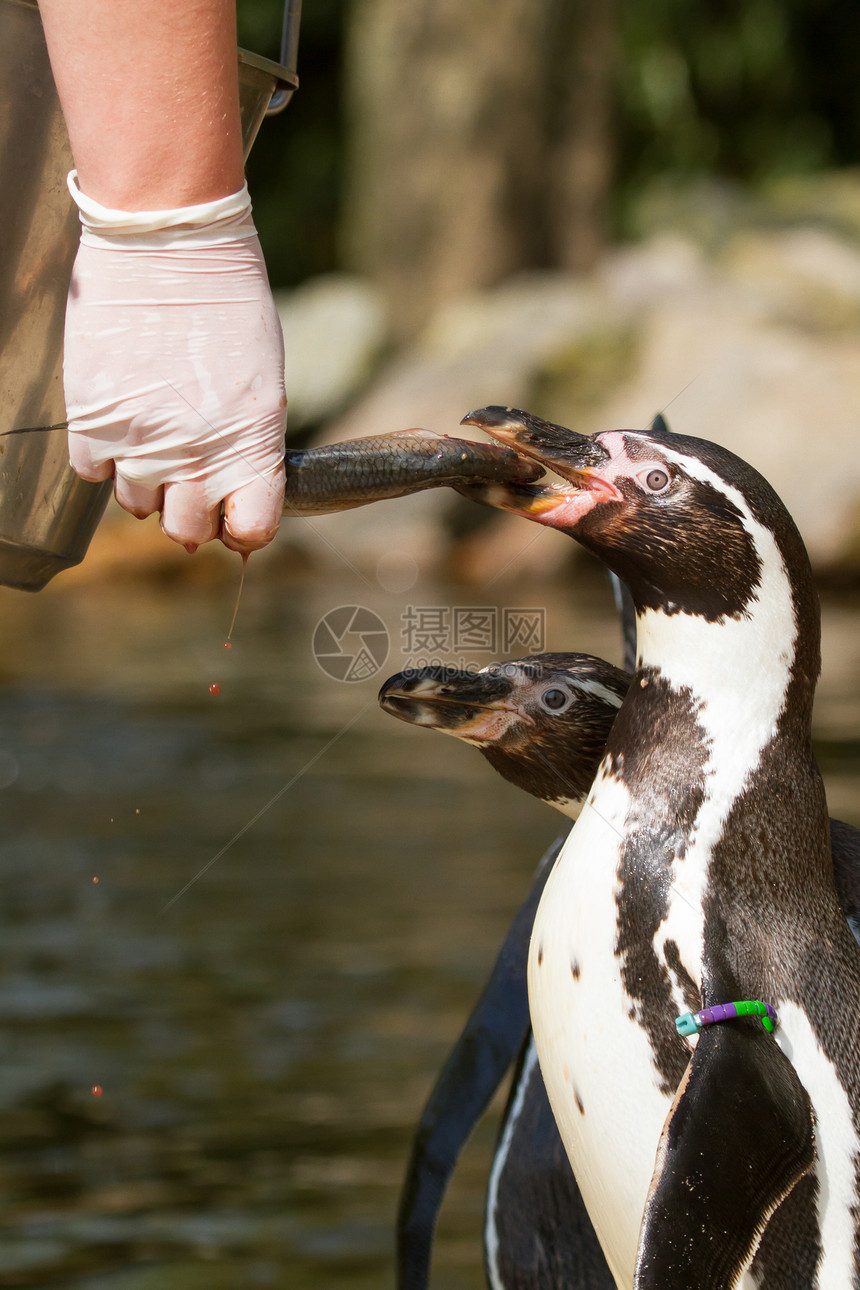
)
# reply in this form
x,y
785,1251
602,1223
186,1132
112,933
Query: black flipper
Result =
x,y
491,1039
738,1138
538,1235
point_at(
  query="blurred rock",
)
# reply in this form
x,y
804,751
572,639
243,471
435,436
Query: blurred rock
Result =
x,y
756,347
751,339
763,357
810,277
486,347
668,265
830,200
334,330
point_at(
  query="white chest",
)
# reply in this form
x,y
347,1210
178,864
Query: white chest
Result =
x,y
599,1066
596,1059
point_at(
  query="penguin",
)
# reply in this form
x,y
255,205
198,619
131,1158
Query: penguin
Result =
x,y
698,876
542,722
537,1235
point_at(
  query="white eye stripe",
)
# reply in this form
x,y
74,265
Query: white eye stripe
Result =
x,y
575,689
600,691
695,468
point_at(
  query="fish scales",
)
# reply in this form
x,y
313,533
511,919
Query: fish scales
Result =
x,y
340,476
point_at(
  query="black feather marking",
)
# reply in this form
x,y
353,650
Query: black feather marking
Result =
x,y
659,751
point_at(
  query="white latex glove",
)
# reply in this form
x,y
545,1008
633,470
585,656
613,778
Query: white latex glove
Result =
x,y
174,368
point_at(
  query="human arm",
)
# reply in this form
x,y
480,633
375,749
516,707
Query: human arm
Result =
x,y
174,367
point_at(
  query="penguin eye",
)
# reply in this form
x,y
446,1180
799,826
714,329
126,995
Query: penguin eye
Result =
x,y
554,700
657,480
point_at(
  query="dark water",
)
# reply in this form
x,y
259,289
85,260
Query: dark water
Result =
x,y
264,1043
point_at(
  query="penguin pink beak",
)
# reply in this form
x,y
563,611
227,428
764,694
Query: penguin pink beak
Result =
x,y
576,458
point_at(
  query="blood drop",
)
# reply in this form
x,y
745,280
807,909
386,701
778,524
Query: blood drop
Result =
x,y
96,1090
95,880
214,688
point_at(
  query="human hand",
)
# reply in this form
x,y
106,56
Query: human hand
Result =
x,y
174,369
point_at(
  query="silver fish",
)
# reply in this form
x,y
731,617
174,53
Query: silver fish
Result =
x,y
340,476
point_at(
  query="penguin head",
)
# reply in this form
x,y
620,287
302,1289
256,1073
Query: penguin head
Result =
x,y
541,721
473,706
678,519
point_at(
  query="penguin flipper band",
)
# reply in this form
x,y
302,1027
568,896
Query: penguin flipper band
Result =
x,y
692,1023
712,1191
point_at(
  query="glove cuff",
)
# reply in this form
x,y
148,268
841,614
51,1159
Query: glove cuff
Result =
x,y
209,224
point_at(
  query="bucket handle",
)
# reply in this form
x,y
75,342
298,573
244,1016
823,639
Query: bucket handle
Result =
x,y
289,55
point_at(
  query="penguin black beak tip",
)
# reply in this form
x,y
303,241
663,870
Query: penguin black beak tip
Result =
x,y
494,417
553,446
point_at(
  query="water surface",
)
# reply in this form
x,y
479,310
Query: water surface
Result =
x,y
265,1041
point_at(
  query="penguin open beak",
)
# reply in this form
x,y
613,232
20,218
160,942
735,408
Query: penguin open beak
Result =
x,y
470,705
562,450
577,458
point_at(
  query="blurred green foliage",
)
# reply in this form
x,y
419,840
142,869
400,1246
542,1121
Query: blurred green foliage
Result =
x,y
294,171
734,88
745,90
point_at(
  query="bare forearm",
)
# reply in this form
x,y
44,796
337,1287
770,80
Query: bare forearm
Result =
x,y
149,92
